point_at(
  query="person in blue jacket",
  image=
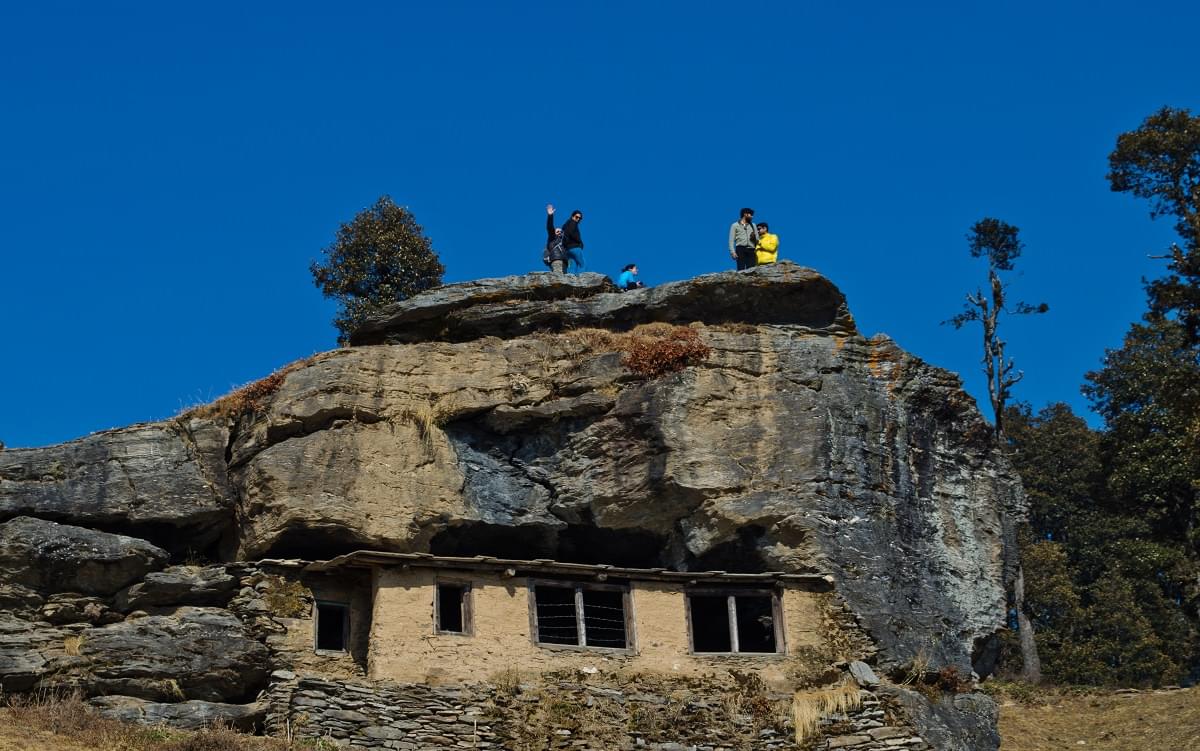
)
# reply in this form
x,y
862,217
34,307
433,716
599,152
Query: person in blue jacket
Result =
x,y
628,278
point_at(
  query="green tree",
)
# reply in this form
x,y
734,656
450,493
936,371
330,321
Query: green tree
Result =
x,y
1160,161
1149,390
998,242
1058,457
1106,591
1116,512
379,257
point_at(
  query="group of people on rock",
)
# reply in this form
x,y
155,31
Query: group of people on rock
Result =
x,y
750,245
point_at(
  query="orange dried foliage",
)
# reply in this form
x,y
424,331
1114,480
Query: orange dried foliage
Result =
x,y
653,356
248,398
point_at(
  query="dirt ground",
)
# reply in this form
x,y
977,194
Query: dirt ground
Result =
x,y
1145,721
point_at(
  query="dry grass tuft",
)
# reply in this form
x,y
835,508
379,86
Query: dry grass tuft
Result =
x,y
507,681
72,645
249,398
428,418
808,707
650,350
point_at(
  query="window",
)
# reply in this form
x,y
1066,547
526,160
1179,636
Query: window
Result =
x,y
453,611
579,615
734,623
332,626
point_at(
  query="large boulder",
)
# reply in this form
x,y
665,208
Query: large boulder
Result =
x,y
438,310
162,481
180,585
52,557
953,722
188,715
781,293
192,653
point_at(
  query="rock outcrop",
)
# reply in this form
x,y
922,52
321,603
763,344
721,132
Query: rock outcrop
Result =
x,y
192,653
179,585
505,418
164,482
519,305
189,715
50,557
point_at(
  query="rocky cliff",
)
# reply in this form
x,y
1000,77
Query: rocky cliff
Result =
x,y
735,422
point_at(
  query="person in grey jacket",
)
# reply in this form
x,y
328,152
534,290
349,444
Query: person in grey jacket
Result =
x,y
742,239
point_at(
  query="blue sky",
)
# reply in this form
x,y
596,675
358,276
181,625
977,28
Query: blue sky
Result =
x,y
170,170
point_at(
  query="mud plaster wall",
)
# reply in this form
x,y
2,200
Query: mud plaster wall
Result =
x,y
296,647
405,647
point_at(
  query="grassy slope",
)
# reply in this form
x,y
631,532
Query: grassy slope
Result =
x,y
1151,721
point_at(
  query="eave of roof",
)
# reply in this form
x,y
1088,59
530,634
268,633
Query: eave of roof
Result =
x,y
543,566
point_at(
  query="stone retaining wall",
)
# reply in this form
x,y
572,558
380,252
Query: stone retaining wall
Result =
x,y
563,715
868,728
403,717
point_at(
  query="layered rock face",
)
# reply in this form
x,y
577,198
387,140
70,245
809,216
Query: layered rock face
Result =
x,y
797,447
163,481
502,417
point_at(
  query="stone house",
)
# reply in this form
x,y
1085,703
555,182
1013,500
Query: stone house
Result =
x,y
416,617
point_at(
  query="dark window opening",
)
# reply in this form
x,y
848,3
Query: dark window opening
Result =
x,y
452,609
580,616
755,624
604,618
333,626
710,624
556,621
733,623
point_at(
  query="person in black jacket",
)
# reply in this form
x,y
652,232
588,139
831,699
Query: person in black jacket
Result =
x,y
571,239
556,254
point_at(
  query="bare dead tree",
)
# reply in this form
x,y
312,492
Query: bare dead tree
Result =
x,y
999,242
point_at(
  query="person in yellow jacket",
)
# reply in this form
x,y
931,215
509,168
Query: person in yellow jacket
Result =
x,y
767,249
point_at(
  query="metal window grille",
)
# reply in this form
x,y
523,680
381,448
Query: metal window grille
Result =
x,y
581,616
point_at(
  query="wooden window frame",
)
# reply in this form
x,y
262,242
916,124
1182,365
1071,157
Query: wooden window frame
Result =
x,y
578,587
467,605
316,613
730,594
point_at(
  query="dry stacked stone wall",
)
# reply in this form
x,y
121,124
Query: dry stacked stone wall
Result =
x,y
565,715
405,717
871,727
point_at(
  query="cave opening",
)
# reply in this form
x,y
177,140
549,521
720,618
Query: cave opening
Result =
x,y
314,545
630,548
742,555
575,543
523,542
